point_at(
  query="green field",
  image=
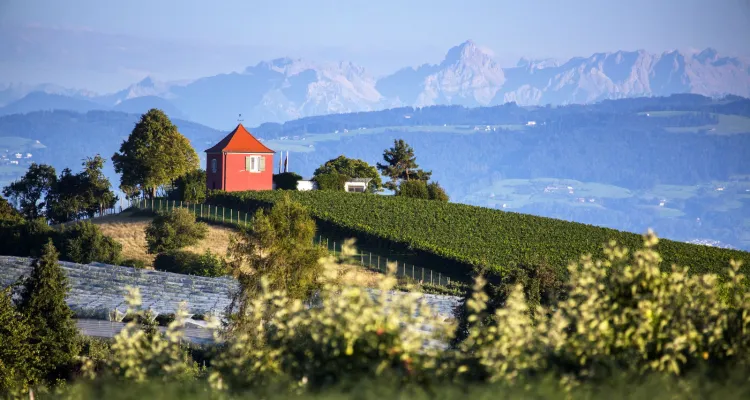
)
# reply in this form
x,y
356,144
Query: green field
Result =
x,y
306,143
728,124
475,235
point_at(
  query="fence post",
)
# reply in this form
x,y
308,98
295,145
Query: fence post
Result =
x,y
334,249
245,218
430,277
378,262
412,271
422,274
159,204
362,258
370,262
440,278
222,214
201,210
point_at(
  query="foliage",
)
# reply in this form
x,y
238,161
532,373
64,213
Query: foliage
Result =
x,y
278,247
436,192
174,229
184,262
28,191
83,243
347,335
53,331
80,242
138,355
8,213
331,181
95,187
401,165
155,154
191,187
623,313
286,180
352,168
414,189
134,263
473,236
17,357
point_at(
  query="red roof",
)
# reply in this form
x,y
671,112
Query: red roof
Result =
x,y
239,141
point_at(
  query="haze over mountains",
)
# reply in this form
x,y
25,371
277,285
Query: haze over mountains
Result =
x,y
285,88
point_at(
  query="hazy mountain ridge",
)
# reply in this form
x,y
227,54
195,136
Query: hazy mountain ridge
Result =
x,y
285,89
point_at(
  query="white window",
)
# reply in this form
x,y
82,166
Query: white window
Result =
x,y
255,163
214,165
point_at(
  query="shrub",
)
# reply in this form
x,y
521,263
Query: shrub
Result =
x,y
190,187
174,230
165,319
83,242
184,262
286,180
414,189
331,181
436,192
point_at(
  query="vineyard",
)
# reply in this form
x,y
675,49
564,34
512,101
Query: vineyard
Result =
x,y
464,236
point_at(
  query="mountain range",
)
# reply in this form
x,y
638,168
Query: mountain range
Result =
x,y
284,89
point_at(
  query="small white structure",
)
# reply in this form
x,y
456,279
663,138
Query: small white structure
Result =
x,y
304,186
531,123
358,185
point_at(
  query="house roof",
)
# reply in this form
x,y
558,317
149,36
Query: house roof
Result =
x,y
239,141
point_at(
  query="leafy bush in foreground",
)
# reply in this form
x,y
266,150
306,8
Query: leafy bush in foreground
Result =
x,y
623,317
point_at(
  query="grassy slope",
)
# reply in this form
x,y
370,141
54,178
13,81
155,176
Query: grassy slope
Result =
x,y
128,230
479,236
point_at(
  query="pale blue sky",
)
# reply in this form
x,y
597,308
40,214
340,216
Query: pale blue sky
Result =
x,y
383,35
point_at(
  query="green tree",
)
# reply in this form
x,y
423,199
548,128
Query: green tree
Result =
x,y
286,180
174,230
279,246
83,242
8,213
27,192
401,165
436,192
154,155
53,331
190,187
352,168
414,189
332,181
64,201
17,356
95,187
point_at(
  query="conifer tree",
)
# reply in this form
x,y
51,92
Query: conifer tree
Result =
x,y
17,358
53,331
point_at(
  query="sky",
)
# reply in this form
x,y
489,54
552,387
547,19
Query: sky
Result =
x,y
190,38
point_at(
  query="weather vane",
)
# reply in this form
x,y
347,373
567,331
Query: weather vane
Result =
x,y
239,119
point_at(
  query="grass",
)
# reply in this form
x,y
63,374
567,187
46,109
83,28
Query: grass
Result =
x,y
728,124
129,230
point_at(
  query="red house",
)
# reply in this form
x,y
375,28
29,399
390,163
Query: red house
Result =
x,y
239,162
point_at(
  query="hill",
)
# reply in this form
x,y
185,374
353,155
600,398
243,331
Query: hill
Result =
x,y
456,237
284,89
676,164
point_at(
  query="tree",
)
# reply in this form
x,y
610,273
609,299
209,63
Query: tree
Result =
x,y
174,230
436,192
17,356
332,181
95,187
27,192
64,201
414,189
352,168
155,154
53,331
278,246
190,187
286,180
401,165
8,213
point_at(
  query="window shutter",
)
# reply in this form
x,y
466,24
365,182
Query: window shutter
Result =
x,y
262,163
247,163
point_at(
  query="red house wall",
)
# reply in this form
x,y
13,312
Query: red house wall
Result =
x,y
231,175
